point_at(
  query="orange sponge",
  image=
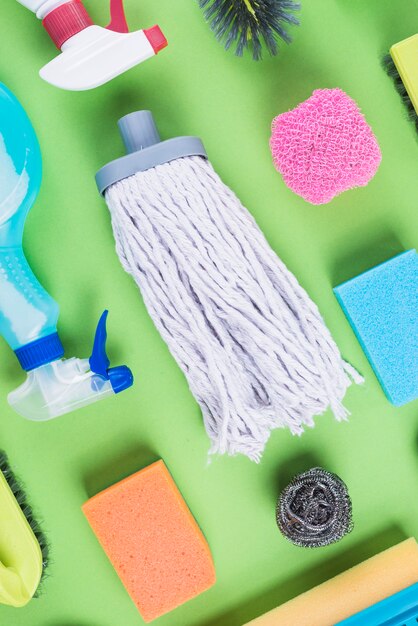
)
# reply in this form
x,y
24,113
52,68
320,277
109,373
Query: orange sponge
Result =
x,y
152,540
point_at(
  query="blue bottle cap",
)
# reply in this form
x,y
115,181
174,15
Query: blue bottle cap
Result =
x,y
40,352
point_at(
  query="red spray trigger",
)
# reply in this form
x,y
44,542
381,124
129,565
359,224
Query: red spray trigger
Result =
x,y
99,54
118,21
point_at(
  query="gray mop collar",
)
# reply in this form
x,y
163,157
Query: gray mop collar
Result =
x,y
145,149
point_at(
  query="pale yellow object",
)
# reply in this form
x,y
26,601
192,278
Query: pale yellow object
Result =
x,y
350,592
20,553
405,57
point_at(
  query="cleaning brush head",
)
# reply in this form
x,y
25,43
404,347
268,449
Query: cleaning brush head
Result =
x,y
21,499
249,23
401,65
393,73
23,546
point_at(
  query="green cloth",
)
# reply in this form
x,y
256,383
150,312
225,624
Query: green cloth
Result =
x,y
195,87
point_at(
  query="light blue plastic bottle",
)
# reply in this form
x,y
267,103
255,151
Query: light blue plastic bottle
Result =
x,y
27,311
28,314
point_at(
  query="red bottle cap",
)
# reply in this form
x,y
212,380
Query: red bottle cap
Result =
x,y
66,21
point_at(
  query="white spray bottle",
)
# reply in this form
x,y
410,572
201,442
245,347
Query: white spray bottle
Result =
x,y
91,55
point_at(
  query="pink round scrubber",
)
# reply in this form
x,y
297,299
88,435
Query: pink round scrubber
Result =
x,y
324,146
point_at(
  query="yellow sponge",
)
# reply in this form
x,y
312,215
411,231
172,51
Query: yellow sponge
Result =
x,y
353,591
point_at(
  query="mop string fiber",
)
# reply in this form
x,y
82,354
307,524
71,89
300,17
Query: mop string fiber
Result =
x,y
251,343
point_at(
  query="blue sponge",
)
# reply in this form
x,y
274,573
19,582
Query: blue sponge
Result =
x,y
382,308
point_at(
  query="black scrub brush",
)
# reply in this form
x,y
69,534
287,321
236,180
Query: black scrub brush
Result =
x,y
402,66
249,23
23,549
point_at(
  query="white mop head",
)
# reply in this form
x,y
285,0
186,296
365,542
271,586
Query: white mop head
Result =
x,y
252,344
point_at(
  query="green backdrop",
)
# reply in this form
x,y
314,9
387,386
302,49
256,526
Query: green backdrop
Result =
x,y
195,87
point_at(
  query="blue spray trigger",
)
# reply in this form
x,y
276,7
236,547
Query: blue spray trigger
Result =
x,y
121,377
99,361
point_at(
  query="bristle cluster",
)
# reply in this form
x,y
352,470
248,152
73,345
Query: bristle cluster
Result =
x,y
249,23
392,72
20,497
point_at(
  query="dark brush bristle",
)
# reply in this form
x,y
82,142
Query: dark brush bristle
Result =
x,y
20,497
393,73
250,22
